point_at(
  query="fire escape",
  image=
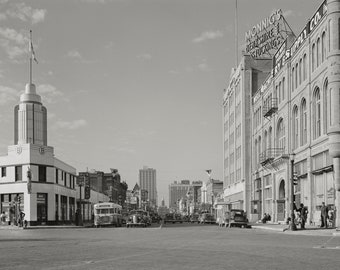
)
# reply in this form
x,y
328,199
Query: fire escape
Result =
x,y
271,157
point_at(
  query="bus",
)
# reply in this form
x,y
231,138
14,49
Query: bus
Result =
x,y
107,213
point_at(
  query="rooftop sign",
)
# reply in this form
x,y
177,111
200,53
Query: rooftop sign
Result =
x,y
265,37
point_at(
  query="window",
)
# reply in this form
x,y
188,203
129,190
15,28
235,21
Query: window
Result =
x,y
281,137
18,173
296,75
280,93
3,171
325,103
295,128
56,176
318,54
317,113
300,71
42,173
304,67
303,122
323,45
293,78
270,138
313,57
283,88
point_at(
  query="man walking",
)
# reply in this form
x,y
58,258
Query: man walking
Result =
x,y
324,215
303,214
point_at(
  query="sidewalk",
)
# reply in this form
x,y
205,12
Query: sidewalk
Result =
x,y
284,228
13,227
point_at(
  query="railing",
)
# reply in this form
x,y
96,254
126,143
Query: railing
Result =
x,y
270,154
270,107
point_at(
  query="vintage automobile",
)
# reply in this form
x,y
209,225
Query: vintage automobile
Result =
x,y
173,218
194,218
138,218
207,218
236,218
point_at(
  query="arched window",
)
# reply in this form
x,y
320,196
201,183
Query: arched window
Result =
x,y
295,126
293,78
283,88
296,74
303,122
317,113
323,42
318,54
304,67
281,136
313,57
300,71
280,93
325,107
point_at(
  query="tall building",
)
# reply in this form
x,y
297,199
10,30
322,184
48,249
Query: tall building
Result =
x,y
32,179
244,80
148,182
177,191
293,124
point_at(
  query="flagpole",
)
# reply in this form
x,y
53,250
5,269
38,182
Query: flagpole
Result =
x,y
30,49
236,35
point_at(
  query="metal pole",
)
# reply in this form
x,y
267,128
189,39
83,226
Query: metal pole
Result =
x,y
80,212
292,215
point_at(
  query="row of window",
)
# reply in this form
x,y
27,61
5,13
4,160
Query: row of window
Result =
x,y
319,121
42,176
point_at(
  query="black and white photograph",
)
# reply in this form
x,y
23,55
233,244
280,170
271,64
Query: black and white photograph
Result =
x,y
169,134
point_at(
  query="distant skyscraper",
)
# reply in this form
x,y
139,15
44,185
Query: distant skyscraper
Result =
x,y
177,191
147,181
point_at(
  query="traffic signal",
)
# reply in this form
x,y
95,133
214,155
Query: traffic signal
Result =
x,y
295,179
87,192
19,200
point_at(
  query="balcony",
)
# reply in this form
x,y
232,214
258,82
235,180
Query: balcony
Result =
x,y
268,156
270,107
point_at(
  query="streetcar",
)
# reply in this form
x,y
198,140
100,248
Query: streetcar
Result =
x,y
107,213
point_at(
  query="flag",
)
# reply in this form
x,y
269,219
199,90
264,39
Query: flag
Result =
x,y
30,48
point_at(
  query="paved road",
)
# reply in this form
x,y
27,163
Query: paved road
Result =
x,y
171,247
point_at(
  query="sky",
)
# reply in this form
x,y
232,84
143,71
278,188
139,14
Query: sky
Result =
x,y
131,83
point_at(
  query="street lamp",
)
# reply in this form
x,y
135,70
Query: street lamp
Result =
x,y
292,215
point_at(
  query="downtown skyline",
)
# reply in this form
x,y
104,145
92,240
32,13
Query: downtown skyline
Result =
x,y
129,84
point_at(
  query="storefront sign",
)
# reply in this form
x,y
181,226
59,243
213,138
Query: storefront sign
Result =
x,y
265,36
311,24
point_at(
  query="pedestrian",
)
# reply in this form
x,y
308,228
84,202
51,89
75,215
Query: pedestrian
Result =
x,y
3,218
77,217
303,214
264,219
324,215
21,218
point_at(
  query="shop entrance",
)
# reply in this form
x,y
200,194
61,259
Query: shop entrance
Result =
x,y
281,202
41,208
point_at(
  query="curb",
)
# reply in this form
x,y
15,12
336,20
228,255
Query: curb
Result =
x,y
269,228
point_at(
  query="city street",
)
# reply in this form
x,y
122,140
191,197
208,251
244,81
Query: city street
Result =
x,y
174,246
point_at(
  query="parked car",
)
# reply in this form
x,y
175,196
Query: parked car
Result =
x,y
236,217
173,218
138,218
207,219
194,218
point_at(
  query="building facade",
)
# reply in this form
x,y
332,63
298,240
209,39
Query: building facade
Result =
x,y
32,179
177,191
237,151
295,124
148,182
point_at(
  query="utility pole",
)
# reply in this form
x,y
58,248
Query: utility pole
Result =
x,y
292,215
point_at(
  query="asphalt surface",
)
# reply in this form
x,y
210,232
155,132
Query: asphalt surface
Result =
x,y
174,246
